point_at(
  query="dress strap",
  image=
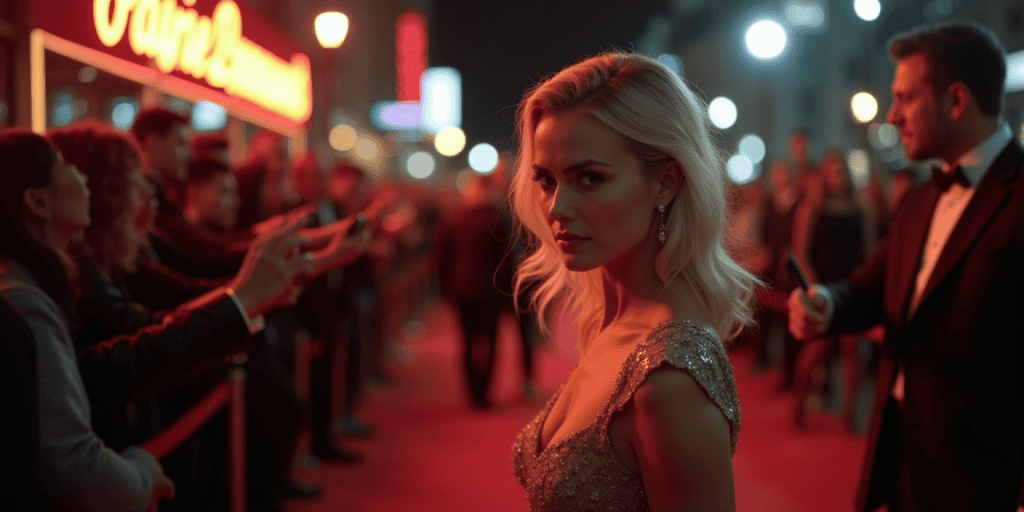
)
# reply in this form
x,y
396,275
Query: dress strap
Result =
x,y
687,347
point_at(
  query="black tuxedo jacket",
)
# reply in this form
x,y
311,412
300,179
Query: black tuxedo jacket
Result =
x,y
957,444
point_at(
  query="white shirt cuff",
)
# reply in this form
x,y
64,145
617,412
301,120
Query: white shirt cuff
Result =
x,y
254,325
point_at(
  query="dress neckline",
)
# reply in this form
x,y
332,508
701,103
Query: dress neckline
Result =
x,y
539,450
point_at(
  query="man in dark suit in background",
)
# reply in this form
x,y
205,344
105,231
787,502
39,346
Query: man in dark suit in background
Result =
x,y
948,284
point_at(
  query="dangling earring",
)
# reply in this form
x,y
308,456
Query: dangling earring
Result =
x,y
662,236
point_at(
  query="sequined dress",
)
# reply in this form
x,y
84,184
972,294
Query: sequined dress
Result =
x,y
582,472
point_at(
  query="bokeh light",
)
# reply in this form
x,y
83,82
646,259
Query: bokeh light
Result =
x,y
766,39
207,115
722,112
123,112
63,109
343,137
741,169
483,158
330,28
864,107
420,164
857,160
450,141
87,74
367,149
752,147
867,10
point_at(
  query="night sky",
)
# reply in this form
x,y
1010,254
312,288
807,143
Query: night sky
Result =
x,y
501,47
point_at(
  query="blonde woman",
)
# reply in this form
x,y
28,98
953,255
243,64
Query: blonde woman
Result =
x,y
622,196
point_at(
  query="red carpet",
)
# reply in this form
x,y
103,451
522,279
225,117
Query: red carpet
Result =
x,y
431,453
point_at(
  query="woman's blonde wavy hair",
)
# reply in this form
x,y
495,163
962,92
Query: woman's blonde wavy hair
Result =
x,y
662,120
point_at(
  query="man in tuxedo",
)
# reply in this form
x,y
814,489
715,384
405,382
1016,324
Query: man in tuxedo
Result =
x,y
948,285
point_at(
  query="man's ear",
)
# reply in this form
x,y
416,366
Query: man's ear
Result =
x,y
669,182
37,202
958,97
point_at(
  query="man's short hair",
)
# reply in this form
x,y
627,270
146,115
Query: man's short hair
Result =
x,y
205,144
156,121
963,52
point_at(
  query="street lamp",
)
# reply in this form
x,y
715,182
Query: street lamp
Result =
x,y
331,27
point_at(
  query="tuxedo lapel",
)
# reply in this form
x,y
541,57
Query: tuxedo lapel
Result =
x,y
988,199
914,233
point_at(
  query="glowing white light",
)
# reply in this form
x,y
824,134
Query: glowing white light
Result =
x,y
123,113
330,28
766,39
857,160
450,141
87,74
722,112
207,115
671,62
753,148
805,13
741,169
864,107
1014,72
420,165
483,158
441,96
343,137
867,10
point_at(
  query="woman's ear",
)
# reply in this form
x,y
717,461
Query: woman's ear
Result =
x,y
37,202
669,182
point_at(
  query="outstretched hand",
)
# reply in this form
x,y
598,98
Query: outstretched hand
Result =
x,y
274,268
345,246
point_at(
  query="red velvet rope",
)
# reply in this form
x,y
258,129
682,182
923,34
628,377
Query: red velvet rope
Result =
x,y
185,426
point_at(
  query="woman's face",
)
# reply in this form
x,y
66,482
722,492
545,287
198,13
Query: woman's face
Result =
x,y
599,202
69,198
834,174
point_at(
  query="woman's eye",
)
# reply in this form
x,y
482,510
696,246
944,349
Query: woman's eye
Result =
x,y
544,180
591,178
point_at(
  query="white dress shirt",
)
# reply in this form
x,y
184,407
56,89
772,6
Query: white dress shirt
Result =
x,y
950,207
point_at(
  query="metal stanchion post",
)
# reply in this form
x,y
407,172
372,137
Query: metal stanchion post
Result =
x,y
236,436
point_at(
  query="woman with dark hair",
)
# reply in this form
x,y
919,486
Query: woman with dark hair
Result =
x,y
46,208
832,232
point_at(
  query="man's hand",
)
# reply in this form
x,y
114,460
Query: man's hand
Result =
x,y
808,313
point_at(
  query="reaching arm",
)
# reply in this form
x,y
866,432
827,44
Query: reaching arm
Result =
x,y
682,442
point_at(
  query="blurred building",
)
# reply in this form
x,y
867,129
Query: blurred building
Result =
x,y
233,66
830,54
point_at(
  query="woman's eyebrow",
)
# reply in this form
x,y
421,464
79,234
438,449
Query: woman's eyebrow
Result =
x,y
574,167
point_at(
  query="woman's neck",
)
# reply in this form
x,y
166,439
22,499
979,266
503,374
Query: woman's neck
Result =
x,y
632,289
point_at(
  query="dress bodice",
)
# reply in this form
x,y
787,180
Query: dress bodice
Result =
x,y
582,471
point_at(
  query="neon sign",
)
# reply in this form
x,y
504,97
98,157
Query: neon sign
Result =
x,y
209,48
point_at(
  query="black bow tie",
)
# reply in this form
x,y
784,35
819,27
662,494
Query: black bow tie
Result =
x,y
945,179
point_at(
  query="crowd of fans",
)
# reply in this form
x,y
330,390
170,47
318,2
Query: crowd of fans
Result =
x,y
137,267
817,214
